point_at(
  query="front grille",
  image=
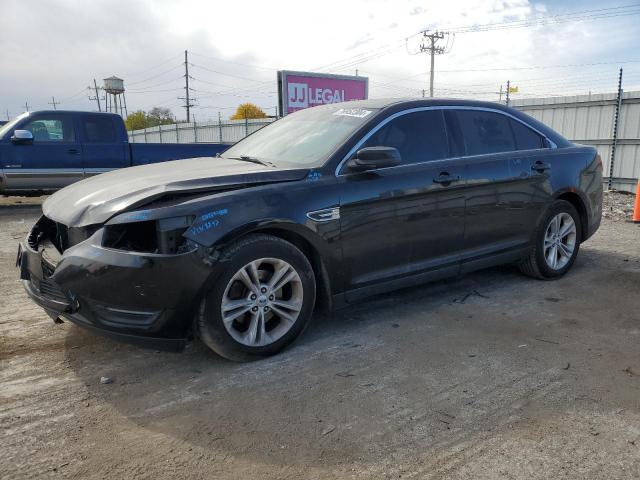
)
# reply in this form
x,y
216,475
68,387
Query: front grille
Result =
x,y
50,290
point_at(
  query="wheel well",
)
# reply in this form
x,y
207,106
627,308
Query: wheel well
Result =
x,y
323,288
575,200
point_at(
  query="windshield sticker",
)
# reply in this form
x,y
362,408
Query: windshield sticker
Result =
x,y
353,112
313,176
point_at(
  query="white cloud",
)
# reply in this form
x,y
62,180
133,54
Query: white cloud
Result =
x,y
57,47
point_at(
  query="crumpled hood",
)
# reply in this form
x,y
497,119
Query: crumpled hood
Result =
x,y
96,199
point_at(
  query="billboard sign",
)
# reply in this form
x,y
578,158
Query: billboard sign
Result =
x,y
298,90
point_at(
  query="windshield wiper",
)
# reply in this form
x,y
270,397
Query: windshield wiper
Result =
x,y
248,158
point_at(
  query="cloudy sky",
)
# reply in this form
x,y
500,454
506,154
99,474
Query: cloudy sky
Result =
x,y
57,47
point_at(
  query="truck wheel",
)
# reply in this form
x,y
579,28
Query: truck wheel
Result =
x,y
556,244
261,302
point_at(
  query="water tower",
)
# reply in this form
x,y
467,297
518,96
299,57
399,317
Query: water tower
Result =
x,y
115,100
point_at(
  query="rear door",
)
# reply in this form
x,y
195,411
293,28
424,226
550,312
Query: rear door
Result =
x,y
501,202
102,150
407,220
52,161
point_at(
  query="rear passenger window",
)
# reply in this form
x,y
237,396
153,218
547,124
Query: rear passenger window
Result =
x,y
98,129
526,139
485,132
419,136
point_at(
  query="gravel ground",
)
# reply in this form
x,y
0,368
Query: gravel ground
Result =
x,y
618,205
493,375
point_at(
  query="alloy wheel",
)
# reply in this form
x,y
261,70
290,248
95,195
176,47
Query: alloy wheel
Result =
x,y
262,301
559,241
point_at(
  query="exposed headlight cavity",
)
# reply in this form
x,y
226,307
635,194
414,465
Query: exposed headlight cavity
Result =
x,y
153,236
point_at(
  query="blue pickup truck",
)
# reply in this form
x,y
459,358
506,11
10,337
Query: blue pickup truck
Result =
x,y
47,150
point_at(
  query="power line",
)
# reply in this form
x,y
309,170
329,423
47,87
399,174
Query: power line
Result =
x,y
164,72
248,65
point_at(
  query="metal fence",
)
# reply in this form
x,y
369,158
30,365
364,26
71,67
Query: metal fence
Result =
x,y
228,131
589,119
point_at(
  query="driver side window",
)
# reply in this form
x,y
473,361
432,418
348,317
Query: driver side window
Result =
x,y
418,136
50,129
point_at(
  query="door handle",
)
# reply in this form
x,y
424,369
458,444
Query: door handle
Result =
x,y
540,166
73,151
444,178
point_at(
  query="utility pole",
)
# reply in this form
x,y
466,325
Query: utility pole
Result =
x,y
508,88
8,117
26,106
500,95
54,103
616,123
429,44
97,99
186,98
126,114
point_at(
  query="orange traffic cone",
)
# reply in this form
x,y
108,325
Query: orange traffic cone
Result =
x,y
636,207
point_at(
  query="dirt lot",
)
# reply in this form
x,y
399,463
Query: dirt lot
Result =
x,y
490,376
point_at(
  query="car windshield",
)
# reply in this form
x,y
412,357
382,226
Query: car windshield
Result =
x,y
302,139
7,127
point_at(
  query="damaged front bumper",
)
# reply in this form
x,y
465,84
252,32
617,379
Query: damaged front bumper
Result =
x,y
143,298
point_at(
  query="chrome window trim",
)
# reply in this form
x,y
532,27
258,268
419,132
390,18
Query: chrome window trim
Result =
x,y
368,135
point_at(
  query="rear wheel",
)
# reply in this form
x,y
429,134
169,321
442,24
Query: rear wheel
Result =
x,y
261,302
557,242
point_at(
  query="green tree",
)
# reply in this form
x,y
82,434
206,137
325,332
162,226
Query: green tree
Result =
x,y
160,116
136,120
156,116
248,110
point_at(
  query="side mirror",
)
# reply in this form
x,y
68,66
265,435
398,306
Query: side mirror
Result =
x,y
372,158
22,137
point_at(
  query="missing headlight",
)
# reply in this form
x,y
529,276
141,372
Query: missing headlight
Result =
x,y
169,231
135,237
161,236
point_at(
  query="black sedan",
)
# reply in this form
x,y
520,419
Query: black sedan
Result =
x,y
320,209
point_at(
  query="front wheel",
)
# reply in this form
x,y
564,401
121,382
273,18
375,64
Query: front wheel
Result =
x,y
261,302
557,241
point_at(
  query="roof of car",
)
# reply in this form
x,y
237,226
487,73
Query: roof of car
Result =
x,y
69,111
419,102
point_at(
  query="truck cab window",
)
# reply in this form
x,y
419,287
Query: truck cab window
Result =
x,y
50,129
98,129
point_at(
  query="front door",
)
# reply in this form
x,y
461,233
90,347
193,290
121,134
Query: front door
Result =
x,y
406,221
52,161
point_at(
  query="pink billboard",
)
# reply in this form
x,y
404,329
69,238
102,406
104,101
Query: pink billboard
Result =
x,y
298,90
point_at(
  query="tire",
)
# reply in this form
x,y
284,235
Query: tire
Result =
x,y
538,264
255,322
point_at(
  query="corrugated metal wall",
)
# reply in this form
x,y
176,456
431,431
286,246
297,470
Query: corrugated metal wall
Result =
x,y
229,131
588,119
